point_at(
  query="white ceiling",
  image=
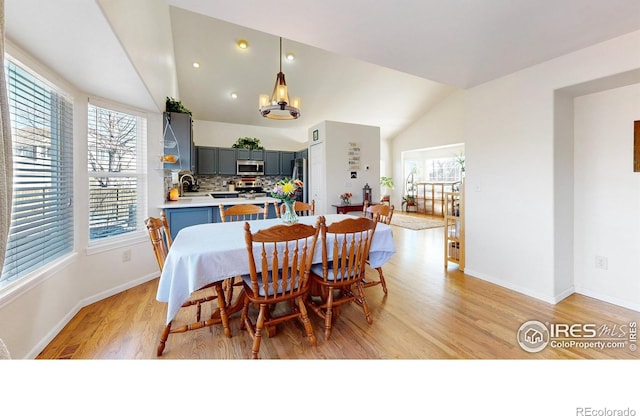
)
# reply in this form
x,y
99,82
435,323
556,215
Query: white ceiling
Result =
x,y
381,63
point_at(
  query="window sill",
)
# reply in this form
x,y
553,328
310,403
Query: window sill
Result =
x,y
11,290
115,243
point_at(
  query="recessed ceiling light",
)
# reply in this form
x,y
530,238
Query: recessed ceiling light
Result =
x,y
243,44
234,95
196,65
290,56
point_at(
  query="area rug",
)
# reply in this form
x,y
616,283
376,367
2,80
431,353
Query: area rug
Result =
x,y
415,223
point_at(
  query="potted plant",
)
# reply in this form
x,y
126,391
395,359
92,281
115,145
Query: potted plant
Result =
x,y
248,143
387,183
409,201
175,106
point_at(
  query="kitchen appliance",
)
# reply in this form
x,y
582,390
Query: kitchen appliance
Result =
x,y
300,171
250,167
249,187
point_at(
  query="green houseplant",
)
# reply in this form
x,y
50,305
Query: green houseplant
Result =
x,y
248,143
175,106
387,183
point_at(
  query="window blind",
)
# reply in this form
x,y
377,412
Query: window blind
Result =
x,y
116,172
42,138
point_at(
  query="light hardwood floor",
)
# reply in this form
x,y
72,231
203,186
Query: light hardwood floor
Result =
x,y
429,313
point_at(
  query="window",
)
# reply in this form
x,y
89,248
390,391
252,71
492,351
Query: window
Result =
x,y
117,177
443,170
42,137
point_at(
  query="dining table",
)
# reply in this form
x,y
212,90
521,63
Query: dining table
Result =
x,y
207,253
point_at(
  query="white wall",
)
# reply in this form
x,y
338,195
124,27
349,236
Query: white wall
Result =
x,y
511,156
336,137
443,125
148,43
607,195
211,133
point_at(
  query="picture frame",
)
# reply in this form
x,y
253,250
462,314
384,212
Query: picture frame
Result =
x,y
315,135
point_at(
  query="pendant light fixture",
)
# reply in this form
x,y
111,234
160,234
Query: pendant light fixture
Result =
x,y
279,107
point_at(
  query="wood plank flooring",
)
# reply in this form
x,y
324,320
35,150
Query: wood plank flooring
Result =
x,y
429,313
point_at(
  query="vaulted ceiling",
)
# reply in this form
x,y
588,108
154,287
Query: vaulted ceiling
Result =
x,y
381,63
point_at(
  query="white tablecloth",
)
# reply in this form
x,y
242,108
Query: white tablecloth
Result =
x,y
207,253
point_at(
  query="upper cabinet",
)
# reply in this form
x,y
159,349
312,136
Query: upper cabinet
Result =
x,y
246,154
226,161
286,163
272,162
207,160
179,151
222,160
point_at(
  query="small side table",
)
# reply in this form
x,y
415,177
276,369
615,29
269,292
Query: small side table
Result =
x,y
343,209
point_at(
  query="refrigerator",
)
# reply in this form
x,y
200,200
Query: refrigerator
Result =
x,y
300,171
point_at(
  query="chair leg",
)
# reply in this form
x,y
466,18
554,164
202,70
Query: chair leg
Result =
x,y
255,349
163,338
307,323
328,315
245,313
363,303
382,281
222,306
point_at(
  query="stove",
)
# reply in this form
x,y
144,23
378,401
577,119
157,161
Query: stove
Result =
x,y
250,187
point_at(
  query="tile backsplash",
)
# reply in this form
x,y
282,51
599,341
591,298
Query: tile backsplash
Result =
x,y
213,183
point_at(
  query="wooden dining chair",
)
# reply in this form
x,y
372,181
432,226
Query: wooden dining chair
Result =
x,y
279,274
160,237
301,208
385,213
244,212
345,248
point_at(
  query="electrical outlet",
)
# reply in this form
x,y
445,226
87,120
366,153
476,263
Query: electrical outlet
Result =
x,y
602,262
126,255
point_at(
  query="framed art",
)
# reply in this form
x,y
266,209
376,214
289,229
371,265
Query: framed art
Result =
x,y
315,135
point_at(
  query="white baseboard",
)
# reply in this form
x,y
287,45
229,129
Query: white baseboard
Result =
x,y
635,306
40,346
509,285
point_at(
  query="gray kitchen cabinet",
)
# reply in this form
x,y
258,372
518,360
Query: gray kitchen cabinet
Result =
x,y
249,154
286,163
226,161
178,141
207,160
271,162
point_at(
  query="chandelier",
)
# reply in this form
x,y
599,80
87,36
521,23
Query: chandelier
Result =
x,y
279,107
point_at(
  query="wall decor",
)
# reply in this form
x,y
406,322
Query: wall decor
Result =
x,y
315,135
354,156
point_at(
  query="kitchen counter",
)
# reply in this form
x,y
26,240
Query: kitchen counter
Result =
x,y
209,201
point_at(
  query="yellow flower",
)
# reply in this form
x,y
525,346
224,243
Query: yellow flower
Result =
x,y
288,188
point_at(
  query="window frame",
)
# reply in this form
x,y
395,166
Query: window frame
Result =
x,y
99,245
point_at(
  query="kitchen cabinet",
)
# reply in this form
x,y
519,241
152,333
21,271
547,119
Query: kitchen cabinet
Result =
x,y
207,160
227,161
286,163
180,218
271,162
249,154
178,141
184,217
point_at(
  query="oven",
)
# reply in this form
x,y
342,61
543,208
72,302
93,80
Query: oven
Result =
x,y
250,167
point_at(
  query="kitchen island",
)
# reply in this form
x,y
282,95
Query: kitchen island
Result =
x,y
193,210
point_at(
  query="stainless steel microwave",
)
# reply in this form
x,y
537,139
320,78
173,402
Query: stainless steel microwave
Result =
x,y
250,167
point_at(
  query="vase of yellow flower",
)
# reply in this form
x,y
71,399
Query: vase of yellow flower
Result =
x,y
345,198
285,190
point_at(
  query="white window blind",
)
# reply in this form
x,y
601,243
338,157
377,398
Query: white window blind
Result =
x,y
117,174
42,133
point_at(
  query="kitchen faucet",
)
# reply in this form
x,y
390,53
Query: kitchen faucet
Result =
x,y
181,182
